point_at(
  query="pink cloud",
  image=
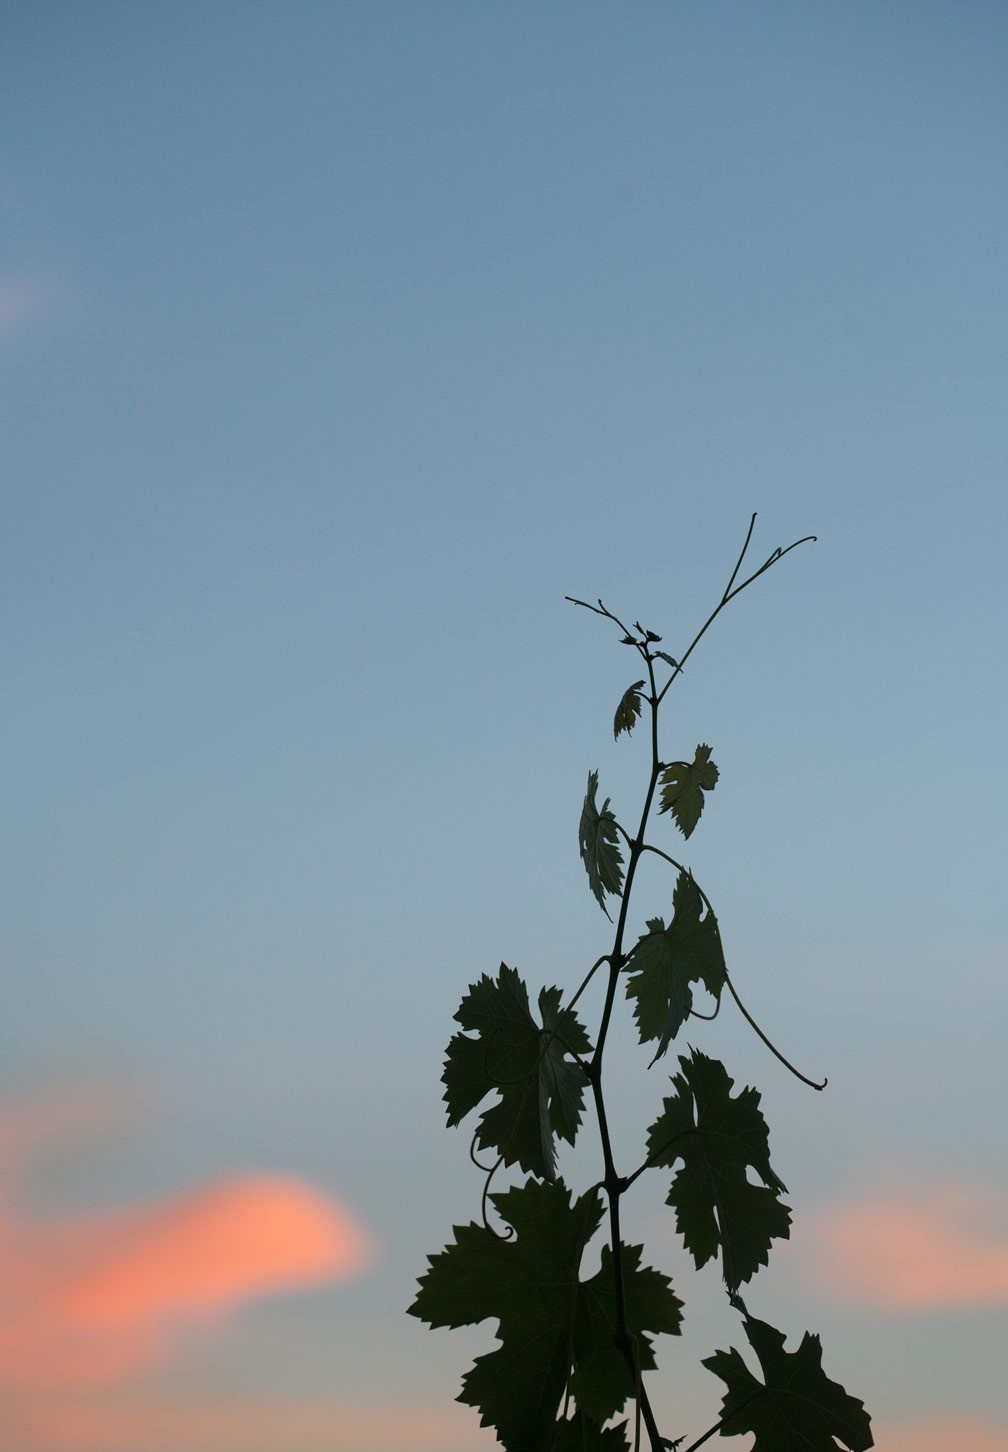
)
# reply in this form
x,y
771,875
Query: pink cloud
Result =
x,y
98,1299
912,1246
943,1434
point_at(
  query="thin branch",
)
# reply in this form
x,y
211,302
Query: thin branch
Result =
x,y
483,1205
741,557
588,978
730,594
759,1032
655,1156
730,985
723,1421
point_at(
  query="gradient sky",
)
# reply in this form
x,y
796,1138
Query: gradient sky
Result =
x,y
338,343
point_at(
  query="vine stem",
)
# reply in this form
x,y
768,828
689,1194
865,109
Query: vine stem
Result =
x,y
615,1185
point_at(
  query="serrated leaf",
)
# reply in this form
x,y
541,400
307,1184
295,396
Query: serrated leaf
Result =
x,y
599,844
540,1086
719,1138
628,709
603,1382
667,960
548,1321
683,785
796,1408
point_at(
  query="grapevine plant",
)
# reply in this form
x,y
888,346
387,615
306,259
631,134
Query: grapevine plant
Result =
x,y
575,1351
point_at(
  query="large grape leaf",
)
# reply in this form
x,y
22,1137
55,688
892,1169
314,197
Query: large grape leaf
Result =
x,y
796,1408
540,1086
599,844
628,709
555,1331
719,1138
667,960
683,784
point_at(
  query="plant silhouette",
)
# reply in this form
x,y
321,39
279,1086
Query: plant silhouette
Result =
x,y
575,1352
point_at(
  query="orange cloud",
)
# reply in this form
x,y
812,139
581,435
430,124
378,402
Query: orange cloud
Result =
x,y
911,1247
93,1299
952,1434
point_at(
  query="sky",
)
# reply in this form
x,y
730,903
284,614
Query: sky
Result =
x,y
338,343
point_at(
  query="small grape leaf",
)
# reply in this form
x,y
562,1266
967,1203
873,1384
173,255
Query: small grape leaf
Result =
x,y
599,846
664,655
796,1408
628,709
549,1323
683,785
666,960
718,1138
541,1087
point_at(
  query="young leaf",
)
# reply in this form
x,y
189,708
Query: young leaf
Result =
x,y
628,709
541,1087
666,960
796,1408
549,1323
718,1138
683,785
599,844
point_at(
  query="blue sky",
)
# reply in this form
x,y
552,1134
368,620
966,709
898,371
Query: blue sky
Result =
x,y
338,343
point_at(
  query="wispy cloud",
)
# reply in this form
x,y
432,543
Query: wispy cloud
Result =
x,y
911,1246
98,1299
21,299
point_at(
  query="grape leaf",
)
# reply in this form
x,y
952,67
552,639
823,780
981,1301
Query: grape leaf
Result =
x,y
578,1434
666,960
541,1087
683,785
599,846
602,1382
718,1138
554,1330
796,1408
628,709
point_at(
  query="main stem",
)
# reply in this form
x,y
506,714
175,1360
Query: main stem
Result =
x,y
615,1184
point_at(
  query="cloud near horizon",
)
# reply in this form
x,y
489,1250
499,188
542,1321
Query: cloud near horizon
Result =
x,y
942,1434
158,1424
101,1298
911,1246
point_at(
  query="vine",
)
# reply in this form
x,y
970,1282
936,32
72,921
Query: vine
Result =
x,y
573,1353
